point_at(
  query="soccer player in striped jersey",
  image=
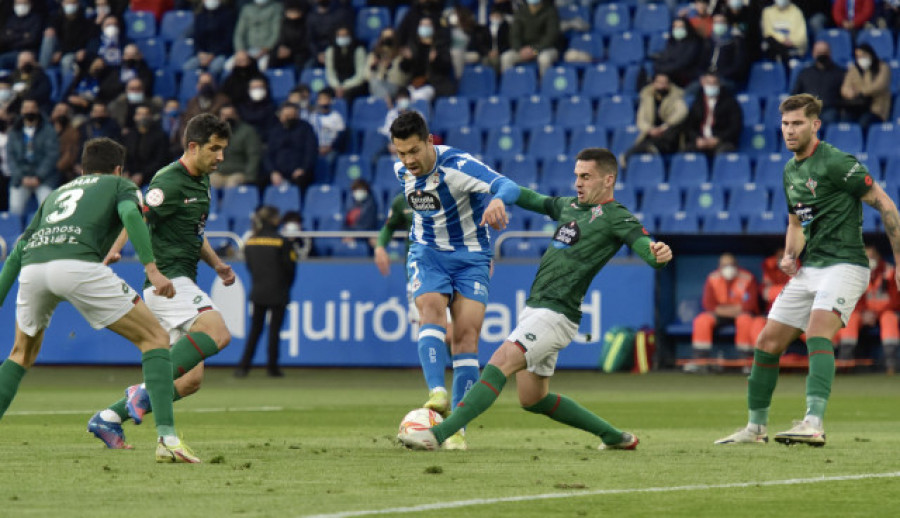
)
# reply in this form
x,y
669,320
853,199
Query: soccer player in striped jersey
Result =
x,y
453,196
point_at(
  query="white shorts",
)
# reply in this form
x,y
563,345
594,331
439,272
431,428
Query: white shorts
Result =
x,y
179,313
100,295
833,288
542,333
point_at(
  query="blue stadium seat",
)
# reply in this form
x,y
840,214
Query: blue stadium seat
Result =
x,y
600,80
758,140
368,113
522,247
688,169
188,86
399,14
331,221
750,106
559,81
451,113
281,82
749,199
892,171
652,18
625,48
533,112
882,41
587,136
314,78
505,142
477,81
841,45
322,200
772,112
612,18
521,169
615,112
214,223
557,176
466,138
492,112
518,81
766,78
574,17
354,248
180,51
705,201
846,136
547,142
238,203
871,219
722,223
677,223
10,229
656,42
895,85
540,223
587,43
574,112
348,168
139,24
883,140
633,77
154,52
731,170
661,199
372,144
626,195
176,25
622,139
873,164
767,223
370,21
424,107
384,177
163,83
645,171
286,197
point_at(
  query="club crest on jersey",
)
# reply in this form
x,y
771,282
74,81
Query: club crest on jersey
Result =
x,y
423,202
596,212
155,197
811,185
566,235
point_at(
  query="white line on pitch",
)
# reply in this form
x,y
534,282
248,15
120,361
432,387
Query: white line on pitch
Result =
x,y
190,410
547,496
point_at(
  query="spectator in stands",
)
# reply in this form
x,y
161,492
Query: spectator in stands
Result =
x,y
322,23
237,85
300,96
111,42
208,99
773,281
399,103
67,38
123,107
256,31
407,29
383,66
31,151
292,150
853,15
817,14
715,119
134,66
660,114
361,212
22,31
889,17
428,64
258,110
100,124
212,20
241,164
156,7
877,307
783,31
823,78
726,56
292,47
533,36
329,126
700,17
469,41
104,8
30,81
69,143
7,98
730,296
345,66
143,144
682,58
745,18
4,170
499,29
866,89
94,83
171,124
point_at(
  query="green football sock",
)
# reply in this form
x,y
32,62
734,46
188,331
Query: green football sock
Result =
x,y
821,375
190,350
478,399
761,385
11,374
157,368
566,411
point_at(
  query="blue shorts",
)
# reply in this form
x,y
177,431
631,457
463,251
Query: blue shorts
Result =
x,y
431,271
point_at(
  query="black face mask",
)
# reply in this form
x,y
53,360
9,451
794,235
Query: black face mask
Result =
x,y
823,59
662,93
207,90
131,63
3,125
232,122
99,121
28,68
388,41
62,120
291,124
30,117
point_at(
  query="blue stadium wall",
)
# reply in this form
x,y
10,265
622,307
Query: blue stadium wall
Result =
x,y
348,315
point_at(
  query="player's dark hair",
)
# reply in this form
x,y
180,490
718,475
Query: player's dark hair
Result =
x,y
604,159
102,155
810,104
265,216
409,123
203,127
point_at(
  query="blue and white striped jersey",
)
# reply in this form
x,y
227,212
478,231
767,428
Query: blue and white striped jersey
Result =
x,y
449,202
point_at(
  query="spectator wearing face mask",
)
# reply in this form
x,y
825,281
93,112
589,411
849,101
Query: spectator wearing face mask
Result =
x,y
823,78
726,55
258,109
208,99
400,104
783,31
69,143
29,80
237,85
123,107
241,164
31,151
143,144
498,29
133,66
744,17
292,150
329,126
300,96
171,124
22,31
408,28
256,31
730,296
682,57
100,124
345,66
322,22
715,119
383,71
660,114
292,47
428,64
866,90
110,43
213,19
533,36
66,40
361,212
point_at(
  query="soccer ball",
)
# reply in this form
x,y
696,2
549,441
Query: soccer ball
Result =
x,y
418,419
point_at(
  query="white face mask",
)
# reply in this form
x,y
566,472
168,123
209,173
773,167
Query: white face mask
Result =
x,y
261,2
257,94
735,4
782,3
711,90
402,103
70,9
111,32
425,31
360,195
679,33
211,5
720,29
5,95
864,63
342,41
135,97
728,272
873,263
22,10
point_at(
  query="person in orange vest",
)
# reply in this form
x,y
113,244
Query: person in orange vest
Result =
x,y
773,281
730,295
878,306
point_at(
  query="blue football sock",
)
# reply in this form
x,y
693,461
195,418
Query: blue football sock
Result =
x,y
465,375
433,354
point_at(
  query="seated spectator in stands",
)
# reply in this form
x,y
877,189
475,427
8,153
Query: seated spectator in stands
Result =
x,y
237,84
361,212
111,42
21,31
498,28
292,149
67,37
853,15
258,110
700,17
7,99
300,97
134,66
31,152
428,64
383,66
533,36
30,81
100,124
682,58
726,55
715,119
4,170
408,28
208,99
171,124
823,78
143,144
214,19
321,24
889,17
69,143
155,7
817,14
866,90
399,104
123,107
104,8
745,18
292,48
773,281
660,114
783,31
345,66
469,41
241,164
329,126
730,296
256,31
877,307
93,83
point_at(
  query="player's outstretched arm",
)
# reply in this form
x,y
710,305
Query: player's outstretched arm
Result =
x,y
890,218
661,252
222,269
655,253
115,251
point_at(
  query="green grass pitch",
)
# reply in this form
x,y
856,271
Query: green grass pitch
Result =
x,y
321,442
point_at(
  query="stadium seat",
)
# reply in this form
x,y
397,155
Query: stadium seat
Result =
x,y
626,195
154,52
163,83
611,18
559,81
772,111
871,219
766,78
424,107
533,112
661,199
281,82
176,25
238,203
656,42
557,176
574,17
522,247
622,139
546,142
882,41
615,112
645,171
846,136
574,112
651,19
286,197
348,168
589,44
895,85
10,229
370,21
368,113
883,140
600,80
372,143
451,113
180,51
758,140
873,164
688,170
321,201
625,48
749,199
188,86
722,223
750,106
892,171
676,223
214,223
384,177
477,81
841,45
333,220
139,25
633,78
353,248
705,201
504,142
731,170
587,136
466,138
518,81
492,112
767,222
521,169
314,78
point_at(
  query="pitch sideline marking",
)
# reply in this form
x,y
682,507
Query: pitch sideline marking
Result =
x,y
191,410
547,496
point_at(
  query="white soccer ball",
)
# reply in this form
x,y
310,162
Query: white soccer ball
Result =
x,y
418,419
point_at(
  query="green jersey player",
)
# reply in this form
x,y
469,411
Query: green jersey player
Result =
x,y
60,258
592,227
824,188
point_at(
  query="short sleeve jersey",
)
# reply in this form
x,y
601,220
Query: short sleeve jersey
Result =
x,y
586,238
824,192
177,205
79,220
